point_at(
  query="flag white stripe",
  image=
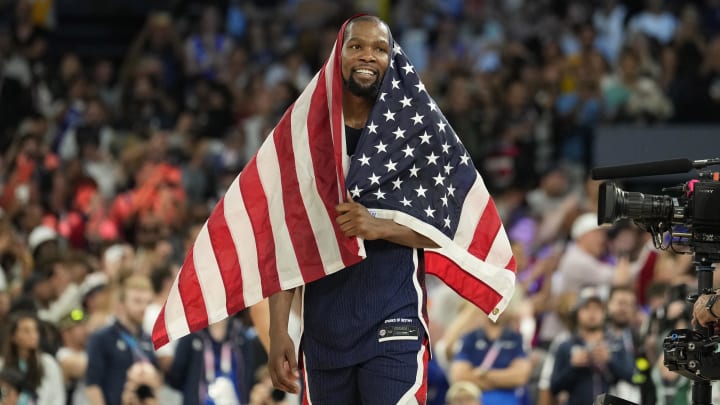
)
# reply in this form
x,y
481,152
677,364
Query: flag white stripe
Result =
x,y
288,269
175,321
475,203
320,222
238,223
409,397
209,277
499,253
420,293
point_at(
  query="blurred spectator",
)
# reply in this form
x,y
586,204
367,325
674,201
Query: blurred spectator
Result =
x,y
72,356
581,265
41,371
493,358
609,22
631,97
621,313
587,363
207,50
12,386
655,22
217,365
113,349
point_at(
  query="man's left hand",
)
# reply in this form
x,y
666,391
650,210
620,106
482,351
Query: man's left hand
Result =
x,y
701,315
355,220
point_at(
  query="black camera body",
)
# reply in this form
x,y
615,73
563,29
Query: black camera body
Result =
x,y
695,207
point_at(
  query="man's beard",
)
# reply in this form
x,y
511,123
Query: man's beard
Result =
x,y
368,93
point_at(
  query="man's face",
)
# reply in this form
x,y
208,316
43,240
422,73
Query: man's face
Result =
x,y
621,308
365,57
135,302
591,316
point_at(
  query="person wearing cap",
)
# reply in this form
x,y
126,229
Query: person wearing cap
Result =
x,y
582,265
72,356
43,242
590,361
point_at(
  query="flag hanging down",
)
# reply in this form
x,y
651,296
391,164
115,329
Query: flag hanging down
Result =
x,y
275,227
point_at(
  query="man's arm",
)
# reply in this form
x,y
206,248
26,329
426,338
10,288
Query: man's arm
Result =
x,y
515,375
281,359
94,395
260,315
95,372
355,220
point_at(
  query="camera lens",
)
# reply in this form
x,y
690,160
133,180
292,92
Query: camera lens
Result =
x,y
277,395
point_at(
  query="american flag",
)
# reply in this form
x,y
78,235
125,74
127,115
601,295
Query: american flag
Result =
x,y
275,227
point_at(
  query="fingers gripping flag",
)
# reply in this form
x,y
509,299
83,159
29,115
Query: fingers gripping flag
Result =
x,y
275,227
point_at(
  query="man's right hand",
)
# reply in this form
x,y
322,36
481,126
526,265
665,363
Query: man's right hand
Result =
x,y
282,363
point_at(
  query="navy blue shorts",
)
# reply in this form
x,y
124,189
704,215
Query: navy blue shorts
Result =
x,y
398,376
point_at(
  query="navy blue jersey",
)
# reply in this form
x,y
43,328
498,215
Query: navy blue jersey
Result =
x,y
349,314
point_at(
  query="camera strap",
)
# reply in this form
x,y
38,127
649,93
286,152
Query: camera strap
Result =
x,y
131,341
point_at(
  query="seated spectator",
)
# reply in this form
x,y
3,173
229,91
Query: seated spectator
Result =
x,y
40,370
493,359
628,96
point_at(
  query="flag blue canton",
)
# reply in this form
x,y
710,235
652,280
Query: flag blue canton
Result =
x,y
408,157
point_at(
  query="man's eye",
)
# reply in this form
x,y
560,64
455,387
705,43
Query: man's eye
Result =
x,y
383,50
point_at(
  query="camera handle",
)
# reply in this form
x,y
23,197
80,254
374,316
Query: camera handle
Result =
x,y
702,390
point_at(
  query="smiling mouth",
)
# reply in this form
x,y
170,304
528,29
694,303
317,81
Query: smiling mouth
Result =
x,y
367,73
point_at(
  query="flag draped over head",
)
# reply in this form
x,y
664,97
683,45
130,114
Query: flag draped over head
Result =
x,y
275,227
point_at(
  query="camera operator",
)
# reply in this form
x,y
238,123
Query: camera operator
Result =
x,y
142,385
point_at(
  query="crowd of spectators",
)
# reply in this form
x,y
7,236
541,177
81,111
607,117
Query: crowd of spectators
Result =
x,y
109,167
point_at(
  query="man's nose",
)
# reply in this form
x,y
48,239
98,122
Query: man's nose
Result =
x,y
367,55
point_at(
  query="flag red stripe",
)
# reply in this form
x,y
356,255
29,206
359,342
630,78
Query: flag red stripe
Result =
x,y
512,265
256,205
321,146
226,257
191,294
159,333
296,218
466,285
486,231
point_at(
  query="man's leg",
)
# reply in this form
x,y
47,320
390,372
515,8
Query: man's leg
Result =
x,y
397,377
328,387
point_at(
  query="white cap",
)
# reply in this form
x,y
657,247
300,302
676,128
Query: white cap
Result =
x,y
583,224
93,282
40,235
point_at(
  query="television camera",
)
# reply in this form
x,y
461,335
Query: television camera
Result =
x,y
686,220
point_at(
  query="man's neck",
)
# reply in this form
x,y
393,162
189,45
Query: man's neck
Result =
x,y
127,324
493,332
591,336
355,109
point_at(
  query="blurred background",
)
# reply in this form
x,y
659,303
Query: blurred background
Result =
x,y
123,122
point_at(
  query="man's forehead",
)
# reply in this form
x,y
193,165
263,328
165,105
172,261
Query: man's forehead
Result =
x,y
362,29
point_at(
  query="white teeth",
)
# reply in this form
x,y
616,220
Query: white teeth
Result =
x,y
365,71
